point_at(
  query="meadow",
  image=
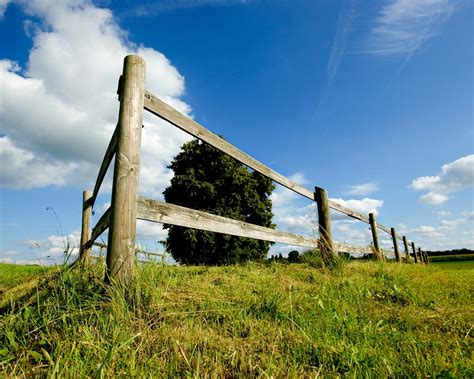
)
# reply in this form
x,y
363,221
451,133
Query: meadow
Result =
x,y
369,319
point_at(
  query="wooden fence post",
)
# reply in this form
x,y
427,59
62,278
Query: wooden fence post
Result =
x,y
324,220
414,251
375,236
86,231
121,244
407,252
427,260
395,244
422,256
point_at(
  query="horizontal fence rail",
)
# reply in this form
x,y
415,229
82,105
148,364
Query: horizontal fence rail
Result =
x,y
126,206
173,116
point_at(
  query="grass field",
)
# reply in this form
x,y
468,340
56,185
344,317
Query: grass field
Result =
x,y
365,319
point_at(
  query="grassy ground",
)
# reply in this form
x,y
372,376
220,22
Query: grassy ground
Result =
x,y
16,280
367,319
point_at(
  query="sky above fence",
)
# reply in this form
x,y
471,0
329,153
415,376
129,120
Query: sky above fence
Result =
x,y
372,100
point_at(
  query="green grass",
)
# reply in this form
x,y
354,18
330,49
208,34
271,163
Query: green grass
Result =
x,y
454,265
367,319
448,258
17,279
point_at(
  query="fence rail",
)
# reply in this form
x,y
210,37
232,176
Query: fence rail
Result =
x,y
127,207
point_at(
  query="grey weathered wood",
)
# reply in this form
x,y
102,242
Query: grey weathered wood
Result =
x,y
421,255
86,226
395,245
414,252
427,259
100,227
344,248
375,235
407,252
109,154
157,211
173,116
324,219
122,233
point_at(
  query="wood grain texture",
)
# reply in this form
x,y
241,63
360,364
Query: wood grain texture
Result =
x,y
375,235
109,154
159,108
100,227
85,250
395,245
122,233
407,252
324,220
157,211
173,116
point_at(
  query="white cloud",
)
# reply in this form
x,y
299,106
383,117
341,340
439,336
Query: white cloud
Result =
x,y
364,206
3,7
403,26
453,177
433,198
56,248
363,189
58,112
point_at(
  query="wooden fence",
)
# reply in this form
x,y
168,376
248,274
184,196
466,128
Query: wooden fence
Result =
x,y
126,206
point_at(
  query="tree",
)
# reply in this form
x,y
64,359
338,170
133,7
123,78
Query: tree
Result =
x,y
209,180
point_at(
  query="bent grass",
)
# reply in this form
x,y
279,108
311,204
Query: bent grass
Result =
x,y
275,320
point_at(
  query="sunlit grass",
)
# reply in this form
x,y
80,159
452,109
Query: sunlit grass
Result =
x,y
367,318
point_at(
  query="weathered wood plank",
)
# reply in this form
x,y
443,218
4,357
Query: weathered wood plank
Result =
x,y
100,227
343,248
324,220
109,154
122,233
395,245
157,211
84,251
375,235
173,116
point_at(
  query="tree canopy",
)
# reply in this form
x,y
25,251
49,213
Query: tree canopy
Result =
x,y
209,180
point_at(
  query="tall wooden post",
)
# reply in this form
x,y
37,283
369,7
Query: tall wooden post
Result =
x,y
395,245
121,246
324,219
414,251
86,231
407,252
375,235
427,260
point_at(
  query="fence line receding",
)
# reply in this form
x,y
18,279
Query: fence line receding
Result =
x,y
126,206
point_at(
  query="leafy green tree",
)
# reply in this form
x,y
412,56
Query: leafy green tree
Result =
x,y
209,180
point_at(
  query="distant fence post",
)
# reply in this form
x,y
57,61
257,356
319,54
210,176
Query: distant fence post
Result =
x,y
375,235
414,251
86,231
407,252
324,220
422,256
395,244
121,245
427,260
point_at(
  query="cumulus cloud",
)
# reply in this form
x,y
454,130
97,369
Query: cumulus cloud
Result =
x,y
403,26
58,112
453,177
363,189
55,248
364,206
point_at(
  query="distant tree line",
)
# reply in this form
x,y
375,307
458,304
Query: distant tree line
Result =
x,y
450,252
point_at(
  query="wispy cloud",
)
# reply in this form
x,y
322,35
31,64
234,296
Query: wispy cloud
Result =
x,y
363,189
343,30
162,6
403,26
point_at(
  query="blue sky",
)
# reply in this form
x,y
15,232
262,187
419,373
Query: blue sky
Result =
x,y
372,100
